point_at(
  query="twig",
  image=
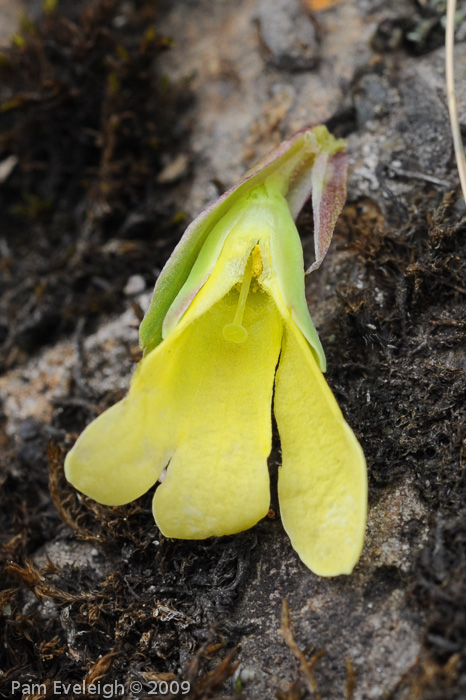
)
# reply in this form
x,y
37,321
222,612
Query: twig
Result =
x,y
451,95
306,667
350,679
398,170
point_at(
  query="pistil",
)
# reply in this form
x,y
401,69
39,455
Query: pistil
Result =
x,y
235,332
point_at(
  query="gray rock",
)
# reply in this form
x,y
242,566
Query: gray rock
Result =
x,y
288,34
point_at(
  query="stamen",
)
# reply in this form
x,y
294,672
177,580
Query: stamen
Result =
x,y
235,332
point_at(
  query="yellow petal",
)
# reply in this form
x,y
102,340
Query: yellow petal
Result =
x,y
217,482
322,485
122,453
204,402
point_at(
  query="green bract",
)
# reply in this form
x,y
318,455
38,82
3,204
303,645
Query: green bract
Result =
x,y
277,186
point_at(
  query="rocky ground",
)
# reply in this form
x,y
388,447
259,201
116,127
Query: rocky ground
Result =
x,y
119,121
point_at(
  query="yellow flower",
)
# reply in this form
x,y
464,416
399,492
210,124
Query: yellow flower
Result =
x,y
228,330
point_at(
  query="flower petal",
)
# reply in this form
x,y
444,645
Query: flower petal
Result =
x,y
322,486
205,402
285,283
122,453
217,482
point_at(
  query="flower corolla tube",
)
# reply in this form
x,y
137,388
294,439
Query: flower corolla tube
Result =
x,y
228,331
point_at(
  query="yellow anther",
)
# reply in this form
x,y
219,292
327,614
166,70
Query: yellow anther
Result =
x,y
256,262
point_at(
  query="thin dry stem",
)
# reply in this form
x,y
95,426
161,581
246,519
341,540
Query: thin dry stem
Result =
x,y
307,667
451,95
